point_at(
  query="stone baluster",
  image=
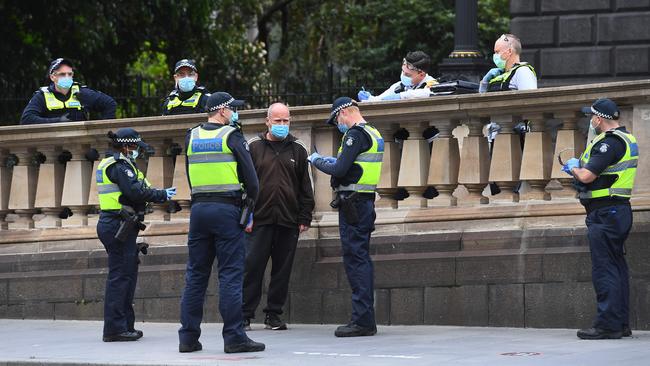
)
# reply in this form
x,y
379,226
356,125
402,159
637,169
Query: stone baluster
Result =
x,y
49,188
5,188
327,140
160,169
390,168
640,121
76,186
93,197
505,163
536,161
474,166
414,166
179,180
23,189
444,164
571,140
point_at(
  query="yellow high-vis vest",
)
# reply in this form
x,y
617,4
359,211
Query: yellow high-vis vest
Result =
x,y
211,165
52,104
109,193
191,102
370,162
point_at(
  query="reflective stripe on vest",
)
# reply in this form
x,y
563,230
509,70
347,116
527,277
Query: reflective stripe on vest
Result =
x,y
51,103
191,102
624,169
109,193
211,165
370,162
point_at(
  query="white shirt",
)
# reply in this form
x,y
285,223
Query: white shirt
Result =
x,y
524,79
410,92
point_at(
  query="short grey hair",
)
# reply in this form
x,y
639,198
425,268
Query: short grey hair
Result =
x,y
513,41
270,110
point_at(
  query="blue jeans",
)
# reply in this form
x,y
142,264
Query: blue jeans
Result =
x,y
214,231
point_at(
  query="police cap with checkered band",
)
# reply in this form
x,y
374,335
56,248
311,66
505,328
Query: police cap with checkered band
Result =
x,y
338,105
603,107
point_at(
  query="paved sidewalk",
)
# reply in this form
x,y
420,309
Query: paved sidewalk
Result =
x,y
79,342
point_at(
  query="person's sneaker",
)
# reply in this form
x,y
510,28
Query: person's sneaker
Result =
x,y
597,333
247,324
122,337
249,346
626,332
354,330
273,322
185,348
138,332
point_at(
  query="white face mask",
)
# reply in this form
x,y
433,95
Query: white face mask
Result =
x,y
593,129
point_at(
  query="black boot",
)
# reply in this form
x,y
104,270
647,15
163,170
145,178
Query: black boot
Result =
x,y
249,346
122,337
185,348
355,330
597,333
273,322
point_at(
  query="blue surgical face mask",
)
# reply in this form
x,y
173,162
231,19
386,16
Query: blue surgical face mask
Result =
x,y
498,61
134,154
280,131
407,81
64,82
234,117
342,127
186,84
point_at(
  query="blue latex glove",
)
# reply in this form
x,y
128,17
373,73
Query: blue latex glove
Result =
x,y
492,74
314,156
391,97
570,164
171,192
363,95
330,159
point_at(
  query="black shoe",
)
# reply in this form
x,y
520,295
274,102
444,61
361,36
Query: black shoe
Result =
x,y
122,337
138,332
273,322
597,333
626,332
354,330
247,324
249,346
185,348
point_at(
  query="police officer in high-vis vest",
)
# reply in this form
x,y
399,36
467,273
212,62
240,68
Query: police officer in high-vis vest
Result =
x,y
186,97
123,194
224,188
355,174
65,100
510,72
605,179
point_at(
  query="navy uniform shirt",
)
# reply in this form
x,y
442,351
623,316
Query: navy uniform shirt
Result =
x,y
200,107
36,111
245,167
607,152
134,192
345,171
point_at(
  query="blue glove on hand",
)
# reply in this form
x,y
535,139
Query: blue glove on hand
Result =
x,y
171,192
492,74
572,163
329,159
314,156
391,97
363,95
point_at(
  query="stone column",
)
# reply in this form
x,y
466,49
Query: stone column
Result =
x,y
327,141
5,188
505,163
160,169
390,168
179,180
568,137
23,189
93,197
444,164
536,162
49,188
641,120
414,166
76,186
474,163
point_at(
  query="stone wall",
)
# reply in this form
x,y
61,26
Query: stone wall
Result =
x,y
578,41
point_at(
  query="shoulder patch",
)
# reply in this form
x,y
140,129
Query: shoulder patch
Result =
x,y
603,147
129,172
349,141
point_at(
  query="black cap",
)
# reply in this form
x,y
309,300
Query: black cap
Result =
x,y
603,107
220,100
185,63
55,64
338,105
127,136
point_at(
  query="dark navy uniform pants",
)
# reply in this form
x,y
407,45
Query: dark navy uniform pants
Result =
x,y
122,276
214,231
355,240
607,229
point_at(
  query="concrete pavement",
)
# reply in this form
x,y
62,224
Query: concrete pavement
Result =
x,y
79,342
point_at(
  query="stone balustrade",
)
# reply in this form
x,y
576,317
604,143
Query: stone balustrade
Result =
x,y
47,171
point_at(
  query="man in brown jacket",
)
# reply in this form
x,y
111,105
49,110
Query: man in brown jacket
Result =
x,y
282,211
